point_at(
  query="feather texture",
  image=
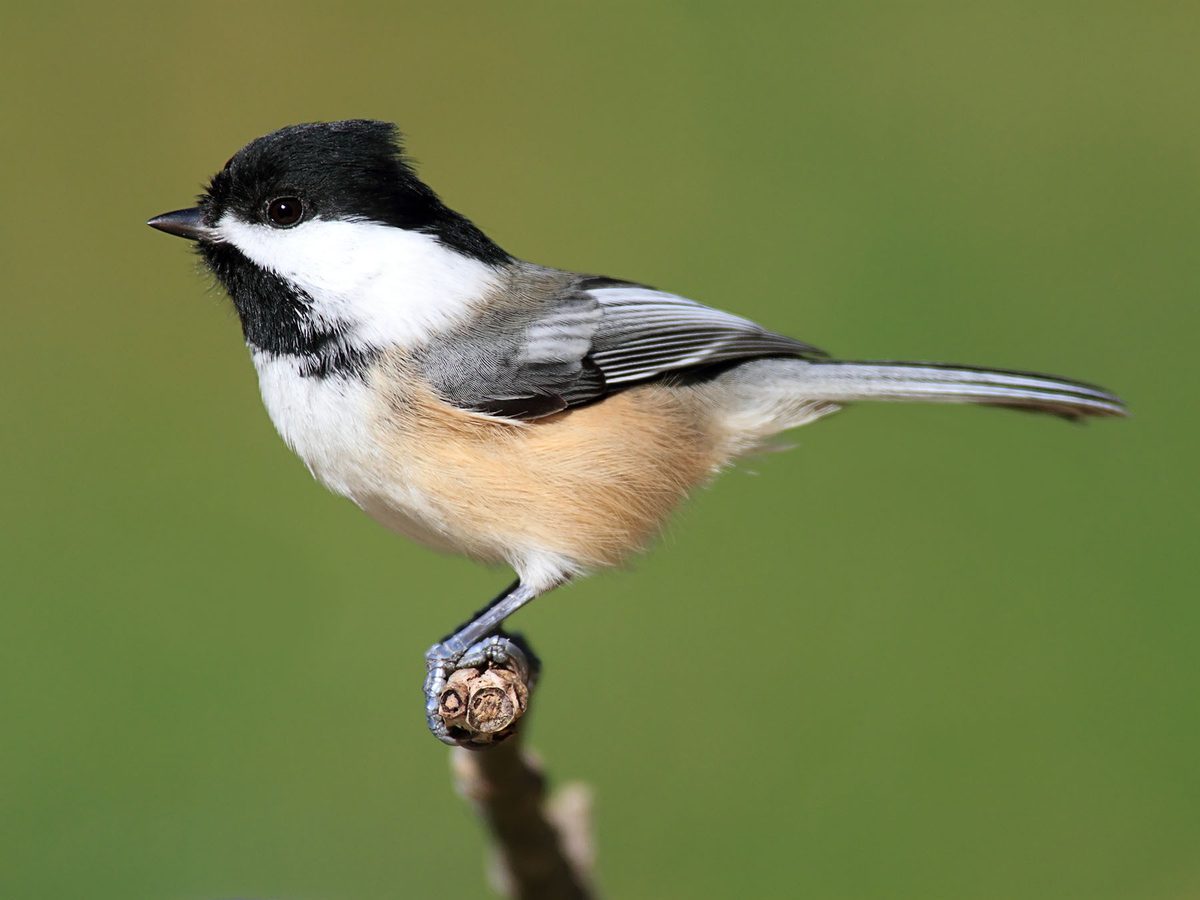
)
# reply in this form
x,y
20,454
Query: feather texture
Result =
x,y
645,333
551,340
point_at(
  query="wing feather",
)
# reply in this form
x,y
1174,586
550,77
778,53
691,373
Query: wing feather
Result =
x,y
645,333
582,338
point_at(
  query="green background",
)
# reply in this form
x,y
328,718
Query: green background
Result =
x,y
930,652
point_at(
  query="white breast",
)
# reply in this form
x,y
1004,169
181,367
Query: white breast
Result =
x,y
323,420
329,423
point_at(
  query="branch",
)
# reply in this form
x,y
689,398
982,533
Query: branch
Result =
x,y
542,850
485,703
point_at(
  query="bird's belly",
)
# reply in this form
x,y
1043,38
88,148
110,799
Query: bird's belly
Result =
x,y
567,493
413,517
570,492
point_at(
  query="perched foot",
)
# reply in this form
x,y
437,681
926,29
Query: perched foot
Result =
x,y
475,696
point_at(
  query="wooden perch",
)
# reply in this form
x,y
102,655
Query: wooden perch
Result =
x,y
487,703
542,849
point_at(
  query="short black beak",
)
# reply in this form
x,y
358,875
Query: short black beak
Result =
x,y
184,223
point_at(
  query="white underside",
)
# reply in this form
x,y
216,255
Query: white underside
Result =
x,y
328,423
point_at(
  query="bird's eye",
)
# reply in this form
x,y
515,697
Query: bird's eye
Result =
x,y
284,212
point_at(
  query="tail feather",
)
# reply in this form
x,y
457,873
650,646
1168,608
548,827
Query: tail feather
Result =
x,y
847,382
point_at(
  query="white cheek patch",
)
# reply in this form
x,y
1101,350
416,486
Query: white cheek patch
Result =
x,y
385,285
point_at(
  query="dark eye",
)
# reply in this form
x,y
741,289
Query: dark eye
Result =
x,y
284,212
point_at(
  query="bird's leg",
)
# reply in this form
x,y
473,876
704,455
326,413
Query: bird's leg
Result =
x,y
474,645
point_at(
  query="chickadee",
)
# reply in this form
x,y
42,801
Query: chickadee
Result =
x,y
488,406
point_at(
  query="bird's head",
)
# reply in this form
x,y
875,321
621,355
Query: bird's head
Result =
x,y
314,230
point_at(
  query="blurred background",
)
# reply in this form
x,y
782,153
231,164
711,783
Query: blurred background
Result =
x,y
980,626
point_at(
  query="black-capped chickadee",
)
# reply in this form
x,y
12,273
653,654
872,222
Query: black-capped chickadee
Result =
x,y
489,406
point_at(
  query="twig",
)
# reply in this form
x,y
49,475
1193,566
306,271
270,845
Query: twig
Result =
x,y
484,703
543,850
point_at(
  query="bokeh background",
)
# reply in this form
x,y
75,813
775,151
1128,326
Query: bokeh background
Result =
x,y
977,629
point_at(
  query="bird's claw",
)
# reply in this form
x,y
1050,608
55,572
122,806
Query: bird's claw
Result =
x,y
445,700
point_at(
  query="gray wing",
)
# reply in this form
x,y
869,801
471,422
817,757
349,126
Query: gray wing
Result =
x,y
578,339
645,333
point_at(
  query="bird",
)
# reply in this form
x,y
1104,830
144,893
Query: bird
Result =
x,y
488,406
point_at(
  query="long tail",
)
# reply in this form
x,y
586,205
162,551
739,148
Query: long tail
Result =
x,y
847,382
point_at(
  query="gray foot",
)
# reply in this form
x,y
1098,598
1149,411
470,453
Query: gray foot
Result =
x,y
442,660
